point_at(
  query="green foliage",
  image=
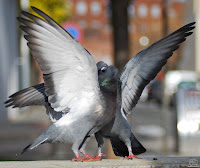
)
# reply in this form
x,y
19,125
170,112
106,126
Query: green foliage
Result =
x,y
59,10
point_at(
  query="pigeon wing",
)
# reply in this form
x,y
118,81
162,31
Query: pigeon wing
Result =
x,y
69,71
34,95
145,65
30,96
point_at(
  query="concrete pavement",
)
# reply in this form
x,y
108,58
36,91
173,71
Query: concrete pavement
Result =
x,y
168,162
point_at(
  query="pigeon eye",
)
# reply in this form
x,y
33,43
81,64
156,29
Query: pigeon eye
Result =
x,y
103,69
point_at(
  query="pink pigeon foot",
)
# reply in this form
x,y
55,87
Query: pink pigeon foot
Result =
x,y
98,157
131,156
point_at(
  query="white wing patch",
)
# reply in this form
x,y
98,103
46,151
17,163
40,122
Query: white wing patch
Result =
x,y
69,71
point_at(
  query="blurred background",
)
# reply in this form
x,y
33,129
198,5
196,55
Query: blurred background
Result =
x,y
167,118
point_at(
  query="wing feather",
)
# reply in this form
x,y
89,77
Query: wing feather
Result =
x,y
33,95
145,65
69,71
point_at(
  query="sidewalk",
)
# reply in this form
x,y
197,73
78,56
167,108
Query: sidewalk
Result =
x,y
168,162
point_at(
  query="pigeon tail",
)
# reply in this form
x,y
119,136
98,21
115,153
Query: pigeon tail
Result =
x,y
120,148
40,140
137,147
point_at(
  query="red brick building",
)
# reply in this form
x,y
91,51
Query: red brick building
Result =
x,y
145,24
93,16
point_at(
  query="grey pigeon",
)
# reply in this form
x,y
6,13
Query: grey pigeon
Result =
x,y
70,83
35,95
122,94
137,73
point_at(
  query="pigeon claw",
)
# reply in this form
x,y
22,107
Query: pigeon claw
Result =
x,y
84,159
87,156
131,156
98,157
76,160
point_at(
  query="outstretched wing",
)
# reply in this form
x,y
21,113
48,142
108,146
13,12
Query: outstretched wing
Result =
x,y
145,65
30,96
34,95
69,71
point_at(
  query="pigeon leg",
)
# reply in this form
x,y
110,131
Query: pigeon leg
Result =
x,y
79,159
75,150
82,150
84,153
131,155
100,142
99,155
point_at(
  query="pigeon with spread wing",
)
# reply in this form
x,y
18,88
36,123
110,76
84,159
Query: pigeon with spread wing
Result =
x,y
82,98
137,73
73,99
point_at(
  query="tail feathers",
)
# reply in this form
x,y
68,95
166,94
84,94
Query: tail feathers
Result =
x,y
36,143
137,147
120,149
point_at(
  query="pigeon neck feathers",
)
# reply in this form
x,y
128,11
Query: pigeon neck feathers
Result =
x,y
107,77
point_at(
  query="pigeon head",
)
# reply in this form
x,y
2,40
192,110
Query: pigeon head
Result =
x,y
107,76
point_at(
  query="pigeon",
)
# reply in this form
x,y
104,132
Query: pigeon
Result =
x,y
117,127
120,94
35,95
137,74
73,99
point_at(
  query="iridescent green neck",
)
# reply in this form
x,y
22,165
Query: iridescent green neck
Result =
x,y
104,82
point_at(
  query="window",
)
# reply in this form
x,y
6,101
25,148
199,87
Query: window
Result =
x,y
81,8
142,10
95,8
131,10
155,11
